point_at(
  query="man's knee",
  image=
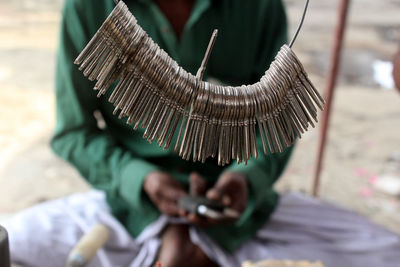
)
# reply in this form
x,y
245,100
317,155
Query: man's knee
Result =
x,y
178,250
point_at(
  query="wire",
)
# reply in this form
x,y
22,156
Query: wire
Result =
x,y
300,25
298,28
202,68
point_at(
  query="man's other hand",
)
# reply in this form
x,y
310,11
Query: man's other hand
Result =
x,y
231,190
164,191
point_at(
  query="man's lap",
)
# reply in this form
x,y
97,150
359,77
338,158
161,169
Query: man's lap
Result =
x,y
301,228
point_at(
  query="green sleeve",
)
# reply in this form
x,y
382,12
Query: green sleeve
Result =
x,y
78,139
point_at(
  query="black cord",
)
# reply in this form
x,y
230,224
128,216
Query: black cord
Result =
x,y
300,25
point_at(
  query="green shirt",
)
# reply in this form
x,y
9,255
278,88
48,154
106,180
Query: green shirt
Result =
x,y
117,159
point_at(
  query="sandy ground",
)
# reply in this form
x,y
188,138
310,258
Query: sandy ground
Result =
x,y
363,145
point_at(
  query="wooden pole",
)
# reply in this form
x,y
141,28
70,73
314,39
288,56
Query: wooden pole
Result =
x,y
329,91
4,248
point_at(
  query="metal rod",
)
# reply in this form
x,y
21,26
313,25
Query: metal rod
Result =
x,y
300,25
202,68
4,248
329,91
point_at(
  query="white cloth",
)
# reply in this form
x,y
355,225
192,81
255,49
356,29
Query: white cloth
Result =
x,y
301,228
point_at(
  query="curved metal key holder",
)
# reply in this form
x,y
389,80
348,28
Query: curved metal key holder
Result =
x,y
156,94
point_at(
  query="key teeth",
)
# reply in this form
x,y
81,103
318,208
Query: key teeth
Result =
x,y
215,121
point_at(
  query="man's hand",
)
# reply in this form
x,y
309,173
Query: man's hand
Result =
x,y
231,190
164,191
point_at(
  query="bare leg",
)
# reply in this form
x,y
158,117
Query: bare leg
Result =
x,y
177,250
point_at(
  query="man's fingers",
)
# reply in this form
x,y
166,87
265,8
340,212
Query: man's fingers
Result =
x,y
214,193
169,208
182,212
200,221
226,200
194,219
198,185
168,200
164,191
220,194
172,193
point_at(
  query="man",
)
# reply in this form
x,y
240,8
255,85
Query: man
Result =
x,y
141,180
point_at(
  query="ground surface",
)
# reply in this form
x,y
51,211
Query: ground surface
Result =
x,y
364,140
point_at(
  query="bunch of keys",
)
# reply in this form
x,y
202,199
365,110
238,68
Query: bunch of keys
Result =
x,y
208,120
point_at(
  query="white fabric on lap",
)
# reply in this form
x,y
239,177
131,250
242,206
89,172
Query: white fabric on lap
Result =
x,y
301,228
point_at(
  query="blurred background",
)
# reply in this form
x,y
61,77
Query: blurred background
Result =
x,y
362,161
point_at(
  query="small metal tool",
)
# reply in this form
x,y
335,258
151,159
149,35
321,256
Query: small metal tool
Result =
x,y
207,208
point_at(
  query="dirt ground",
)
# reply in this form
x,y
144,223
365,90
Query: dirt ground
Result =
x,y
364,140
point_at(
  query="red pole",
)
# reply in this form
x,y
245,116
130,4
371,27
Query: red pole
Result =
x,y
329,91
